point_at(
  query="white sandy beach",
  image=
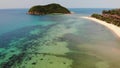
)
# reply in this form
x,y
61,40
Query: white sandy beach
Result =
x,y
112,27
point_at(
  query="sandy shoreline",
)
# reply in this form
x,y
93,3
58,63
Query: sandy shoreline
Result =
x,y
112,27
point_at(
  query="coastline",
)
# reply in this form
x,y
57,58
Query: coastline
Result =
x,y
112,27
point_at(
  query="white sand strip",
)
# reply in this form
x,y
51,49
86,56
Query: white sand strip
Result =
x,y
112,27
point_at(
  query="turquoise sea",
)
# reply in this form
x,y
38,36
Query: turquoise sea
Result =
x,y
56,41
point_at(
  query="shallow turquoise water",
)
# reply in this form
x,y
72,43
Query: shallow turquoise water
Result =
x,y
56,41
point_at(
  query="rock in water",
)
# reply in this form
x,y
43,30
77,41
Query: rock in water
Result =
x,y
48,9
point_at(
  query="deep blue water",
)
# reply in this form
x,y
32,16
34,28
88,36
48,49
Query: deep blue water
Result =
x,y
88,11
11,19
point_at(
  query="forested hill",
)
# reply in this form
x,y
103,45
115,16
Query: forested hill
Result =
x,y
110,16
48,9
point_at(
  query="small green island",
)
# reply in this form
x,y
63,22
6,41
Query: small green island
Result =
x,y
48,9
110,16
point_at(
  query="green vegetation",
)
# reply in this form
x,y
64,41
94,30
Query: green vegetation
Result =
x,y
101,17
110,16
48,9
97,16
113,12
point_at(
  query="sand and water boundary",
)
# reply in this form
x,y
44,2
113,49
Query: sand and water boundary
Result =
x,y
112,27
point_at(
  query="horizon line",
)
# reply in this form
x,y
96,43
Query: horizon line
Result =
x,y
70,8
